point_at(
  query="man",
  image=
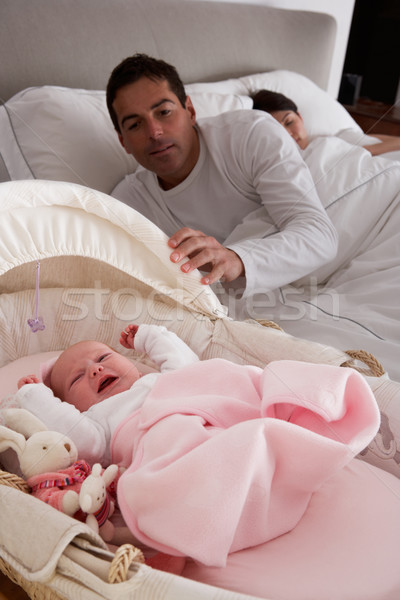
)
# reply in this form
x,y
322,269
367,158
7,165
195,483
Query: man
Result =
x,y
232,191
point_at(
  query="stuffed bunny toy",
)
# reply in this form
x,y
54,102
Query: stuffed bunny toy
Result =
x,y
96,502
48,461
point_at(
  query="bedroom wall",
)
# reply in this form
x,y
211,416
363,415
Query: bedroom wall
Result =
x,y
341,10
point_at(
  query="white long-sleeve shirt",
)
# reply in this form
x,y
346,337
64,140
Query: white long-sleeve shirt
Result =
x,y
92,430
252,191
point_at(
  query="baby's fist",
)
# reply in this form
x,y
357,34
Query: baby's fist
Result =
x,y
127,339
27,379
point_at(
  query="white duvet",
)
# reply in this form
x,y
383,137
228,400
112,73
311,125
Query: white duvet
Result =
x,y
352,303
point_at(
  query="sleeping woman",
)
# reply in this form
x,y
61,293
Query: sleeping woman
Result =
x,y
285,111
348,180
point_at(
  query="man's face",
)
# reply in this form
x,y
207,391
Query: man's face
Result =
x,y
157,130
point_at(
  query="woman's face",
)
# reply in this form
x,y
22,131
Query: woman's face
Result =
x,y
294,125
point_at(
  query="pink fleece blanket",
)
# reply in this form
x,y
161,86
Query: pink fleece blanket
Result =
x,y
225,457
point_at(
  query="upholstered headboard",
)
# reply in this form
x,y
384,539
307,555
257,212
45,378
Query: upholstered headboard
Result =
x,y
76,43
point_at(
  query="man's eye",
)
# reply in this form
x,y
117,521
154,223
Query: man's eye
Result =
x,y
132,126
165,112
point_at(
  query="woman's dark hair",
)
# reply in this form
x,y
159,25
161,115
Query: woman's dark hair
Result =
x,y
272,102
134,68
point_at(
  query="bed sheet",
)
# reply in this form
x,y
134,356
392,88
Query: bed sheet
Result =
x,y
353,302
361,297
335,552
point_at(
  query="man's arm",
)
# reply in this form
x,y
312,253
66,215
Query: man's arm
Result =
x,y
284,255
287,237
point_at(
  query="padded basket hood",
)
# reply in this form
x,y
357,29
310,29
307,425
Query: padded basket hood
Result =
x,y
42,220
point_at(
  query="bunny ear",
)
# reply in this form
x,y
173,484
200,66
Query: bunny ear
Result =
x,y
110,474
11,439
46,369
22,421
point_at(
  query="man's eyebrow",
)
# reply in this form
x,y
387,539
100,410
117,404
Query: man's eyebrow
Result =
x,y
156,105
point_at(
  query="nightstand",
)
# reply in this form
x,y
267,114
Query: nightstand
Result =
x,y
376,117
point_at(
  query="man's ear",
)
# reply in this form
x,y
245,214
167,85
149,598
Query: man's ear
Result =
x,y
190,108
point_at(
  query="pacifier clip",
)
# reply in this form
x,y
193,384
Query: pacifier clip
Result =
x,y
37,324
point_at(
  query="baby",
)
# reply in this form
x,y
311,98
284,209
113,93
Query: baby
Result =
x,y
89,372
217,456
87,375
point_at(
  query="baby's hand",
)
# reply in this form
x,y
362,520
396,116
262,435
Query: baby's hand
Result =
x,y
127,339
27,379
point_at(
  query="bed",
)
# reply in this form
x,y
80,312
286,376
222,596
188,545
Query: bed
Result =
x,y
100,265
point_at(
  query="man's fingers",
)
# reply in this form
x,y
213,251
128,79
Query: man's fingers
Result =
x,y
216,274
206,259
205,253
222,264
182,235
195,246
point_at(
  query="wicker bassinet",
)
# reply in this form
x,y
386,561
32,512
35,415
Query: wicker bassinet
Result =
x,y
140,271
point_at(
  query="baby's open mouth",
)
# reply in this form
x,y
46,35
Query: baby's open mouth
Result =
x,y
105,383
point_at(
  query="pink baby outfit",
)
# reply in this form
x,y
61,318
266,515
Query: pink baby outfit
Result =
x,y
51,487
223,457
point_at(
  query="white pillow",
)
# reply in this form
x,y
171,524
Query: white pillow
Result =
x,y
12,162
26,365
322,114
210,104
65,134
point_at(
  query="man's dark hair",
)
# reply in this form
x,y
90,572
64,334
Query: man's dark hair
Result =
x,y
272,102
134,68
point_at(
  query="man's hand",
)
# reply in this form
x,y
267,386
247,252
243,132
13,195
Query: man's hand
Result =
x,y
205,253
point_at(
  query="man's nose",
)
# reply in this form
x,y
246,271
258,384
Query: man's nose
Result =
x,y
95,370
154,129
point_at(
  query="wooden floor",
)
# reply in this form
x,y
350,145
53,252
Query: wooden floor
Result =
x,y
10,591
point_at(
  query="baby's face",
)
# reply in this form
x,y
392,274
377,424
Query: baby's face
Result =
x,y
89,372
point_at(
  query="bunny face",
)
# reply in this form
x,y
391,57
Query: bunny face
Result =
x,y
47,451
43,451
94,488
